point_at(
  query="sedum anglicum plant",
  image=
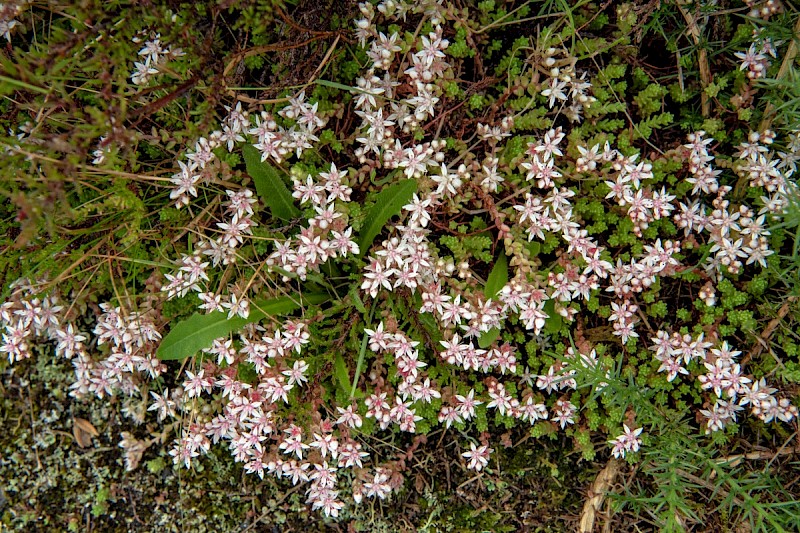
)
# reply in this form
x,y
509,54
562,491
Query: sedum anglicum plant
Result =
x,y
418,268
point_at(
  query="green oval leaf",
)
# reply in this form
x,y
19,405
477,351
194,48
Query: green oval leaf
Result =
x,y
342,373
498,277
486,339
552,325
269,185
388,203
199,331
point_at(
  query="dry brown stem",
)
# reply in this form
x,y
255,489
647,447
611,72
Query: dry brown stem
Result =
x,y
763,339
702,60
760,455
597,495
257,50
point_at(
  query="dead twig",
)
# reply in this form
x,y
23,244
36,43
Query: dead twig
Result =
x,y
597,495
256,50
700,482
273,48
761,455
141,113
470,480
763,339
702,60
303,29
196,220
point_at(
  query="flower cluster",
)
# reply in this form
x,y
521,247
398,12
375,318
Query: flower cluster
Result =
x,y
402,262
327,234
628,442
735,237
199,169
739,233
30,316
565,85
277,142
756,60
723,376
153,55
254,424
764,9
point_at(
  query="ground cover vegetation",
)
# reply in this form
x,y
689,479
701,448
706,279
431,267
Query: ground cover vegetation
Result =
x,y
393,265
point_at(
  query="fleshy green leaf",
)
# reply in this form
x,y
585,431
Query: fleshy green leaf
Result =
x,y
269,185
199,331
388,203
498,277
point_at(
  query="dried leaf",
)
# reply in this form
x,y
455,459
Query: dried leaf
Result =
x,y
134,449
83,431
419,483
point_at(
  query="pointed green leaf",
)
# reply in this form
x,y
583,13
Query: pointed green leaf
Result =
x,y
361,354
269,185
388,203
199,331
498,277
356,299
427,321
